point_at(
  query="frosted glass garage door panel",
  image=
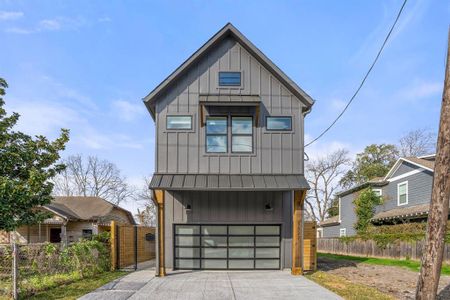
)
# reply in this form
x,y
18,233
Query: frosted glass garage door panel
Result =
x,y
187,252
187,229
240,263
267,230
241,230
214,241
241,252
214,264
214,253
187,241
241,241
267,263
187,263
267,241
214,230
267,252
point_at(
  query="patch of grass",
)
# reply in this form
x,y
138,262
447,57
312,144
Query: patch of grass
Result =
x,y
79,288
347,289
404,263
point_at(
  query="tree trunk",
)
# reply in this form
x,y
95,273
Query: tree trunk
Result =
x,y
437,219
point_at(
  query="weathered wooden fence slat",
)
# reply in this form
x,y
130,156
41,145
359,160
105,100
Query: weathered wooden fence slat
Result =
x,y
368,248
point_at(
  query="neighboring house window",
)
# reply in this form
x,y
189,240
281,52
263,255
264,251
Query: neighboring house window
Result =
x,y
216,134
87,233
241,134
343,232
319,233
179,122
378,192
229,78
279,123
402,193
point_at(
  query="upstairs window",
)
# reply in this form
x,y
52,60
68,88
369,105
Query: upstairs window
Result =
x,y
242,134
279,123
402,193
229,78
343,232
216,134
179,122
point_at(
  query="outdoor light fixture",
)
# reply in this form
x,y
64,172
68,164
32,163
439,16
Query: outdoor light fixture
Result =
x,y
268,206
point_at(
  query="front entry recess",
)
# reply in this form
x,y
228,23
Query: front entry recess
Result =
x,y
231,247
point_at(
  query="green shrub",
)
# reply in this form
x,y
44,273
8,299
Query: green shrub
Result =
x,y
365,209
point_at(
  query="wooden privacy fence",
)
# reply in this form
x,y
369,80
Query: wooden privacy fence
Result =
x,y
398,250
309,246
130,245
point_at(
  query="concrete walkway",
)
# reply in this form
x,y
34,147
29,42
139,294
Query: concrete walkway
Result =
x,y
212,285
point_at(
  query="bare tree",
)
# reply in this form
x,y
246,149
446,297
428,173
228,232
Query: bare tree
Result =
x,y
146,215
92,176
323,175
417,142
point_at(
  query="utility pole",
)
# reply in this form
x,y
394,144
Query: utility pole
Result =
x,y
430,270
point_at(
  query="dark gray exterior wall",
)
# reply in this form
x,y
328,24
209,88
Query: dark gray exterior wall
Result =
x,y
184,151
229,207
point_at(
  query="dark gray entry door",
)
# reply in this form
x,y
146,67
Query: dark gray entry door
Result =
x,y
236,246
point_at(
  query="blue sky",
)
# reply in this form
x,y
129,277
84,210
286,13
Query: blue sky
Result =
x,y
85,65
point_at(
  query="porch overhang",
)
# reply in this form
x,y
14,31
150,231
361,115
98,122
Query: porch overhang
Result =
x,y
224,182
228,100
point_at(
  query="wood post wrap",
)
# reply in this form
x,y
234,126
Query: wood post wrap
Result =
x,y
159,201
297,233
113,243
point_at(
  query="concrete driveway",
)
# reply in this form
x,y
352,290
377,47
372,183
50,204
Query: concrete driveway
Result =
x,y
212,285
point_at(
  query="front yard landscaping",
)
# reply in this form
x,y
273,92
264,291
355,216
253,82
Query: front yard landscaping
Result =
x,y
79,288
372,278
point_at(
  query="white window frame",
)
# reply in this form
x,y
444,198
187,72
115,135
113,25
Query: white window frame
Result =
x,y
342,232
398,193
379,190
319,233
339,210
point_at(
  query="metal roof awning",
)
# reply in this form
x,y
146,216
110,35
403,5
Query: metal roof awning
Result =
x,y
229,100
223,182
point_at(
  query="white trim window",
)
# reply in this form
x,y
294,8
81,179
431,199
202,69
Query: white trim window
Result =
x,y
342,232
319,233
378,192
402,193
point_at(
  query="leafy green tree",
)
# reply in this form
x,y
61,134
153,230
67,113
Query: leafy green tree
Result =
x,y
26,166
365,209
334,208
374,161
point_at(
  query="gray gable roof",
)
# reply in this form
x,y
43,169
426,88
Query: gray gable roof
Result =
x,y
228,30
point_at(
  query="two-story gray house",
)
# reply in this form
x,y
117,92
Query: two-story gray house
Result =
x,y
406,194
229,181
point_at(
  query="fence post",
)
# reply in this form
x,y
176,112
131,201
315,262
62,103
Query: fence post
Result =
x,y
15,269
113,246
135,247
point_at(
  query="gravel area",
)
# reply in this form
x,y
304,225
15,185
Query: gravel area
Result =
x,y
396,281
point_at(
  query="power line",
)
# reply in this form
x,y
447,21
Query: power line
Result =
x,y
365,77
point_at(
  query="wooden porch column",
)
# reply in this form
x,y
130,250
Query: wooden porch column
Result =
x,y
159,201
297,235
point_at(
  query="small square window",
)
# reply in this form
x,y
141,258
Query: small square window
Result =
x,y
343,232
179,122
229,78
279,123
378,192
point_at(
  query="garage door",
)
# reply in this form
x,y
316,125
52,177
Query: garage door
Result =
x,y
235,247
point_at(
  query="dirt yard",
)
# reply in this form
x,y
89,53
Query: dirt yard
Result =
x,y
395,281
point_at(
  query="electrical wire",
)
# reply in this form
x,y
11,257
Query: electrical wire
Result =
x,y
365,77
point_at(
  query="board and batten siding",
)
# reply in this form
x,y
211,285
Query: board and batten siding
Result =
x,y
229,207
184,151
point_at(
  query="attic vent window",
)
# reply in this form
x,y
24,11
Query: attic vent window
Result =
x,y
229,78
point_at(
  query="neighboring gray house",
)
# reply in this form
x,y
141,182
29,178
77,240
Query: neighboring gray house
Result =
x,y
229,160
406,192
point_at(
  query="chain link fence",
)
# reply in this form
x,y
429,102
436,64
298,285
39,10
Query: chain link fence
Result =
x,y
39,267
